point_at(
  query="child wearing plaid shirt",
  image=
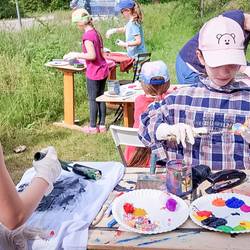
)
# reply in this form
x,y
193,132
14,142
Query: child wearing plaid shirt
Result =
x,y
211,106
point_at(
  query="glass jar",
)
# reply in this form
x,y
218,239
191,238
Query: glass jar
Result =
x,y
178,177
113,87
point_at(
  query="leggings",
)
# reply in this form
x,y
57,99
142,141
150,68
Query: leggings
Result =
x,y
96,88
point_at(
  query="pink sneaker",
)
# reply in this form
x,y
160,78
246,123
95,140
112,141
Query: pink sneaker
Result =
x,y
90,130
102,128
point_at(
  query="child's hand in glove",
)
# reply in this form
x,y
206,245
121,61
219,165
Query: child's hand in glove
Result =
x,y
48,168
181,131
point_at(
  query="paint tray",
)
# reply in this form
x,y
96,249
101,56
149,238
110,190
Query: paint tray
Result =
x,y
151,181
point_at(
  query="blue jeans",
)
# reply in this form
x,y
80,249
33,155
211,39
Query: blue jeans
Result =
x,y
96,88
184,74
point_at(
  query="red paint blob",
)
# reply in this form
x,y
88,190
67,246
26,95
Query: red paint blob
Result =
x,y
204,213
128,208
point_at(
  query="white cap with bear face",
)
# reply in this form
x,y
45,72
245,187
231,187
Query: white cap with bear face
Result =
x,y
221,41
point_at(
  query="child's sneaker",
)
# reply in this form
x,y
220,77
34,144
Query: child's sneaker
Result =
x,y
102,129
90,130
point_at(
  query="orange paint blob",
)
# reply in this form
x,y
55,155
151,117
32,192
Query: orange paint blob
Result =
x,y
219,202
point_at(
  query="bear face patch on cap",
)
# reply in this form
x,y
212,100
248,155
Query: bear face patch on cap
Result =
x,y
221,41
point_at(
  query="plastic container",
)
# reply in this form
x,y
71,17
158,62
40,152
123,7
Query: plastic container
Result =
x,y
178,178
113,87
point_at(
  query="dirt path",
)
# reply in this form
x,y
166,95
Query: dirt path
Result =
x,y
13,24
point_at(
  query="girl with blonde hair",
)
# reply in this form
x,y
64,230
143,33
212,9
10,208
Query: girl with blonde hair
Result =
x,y
134,42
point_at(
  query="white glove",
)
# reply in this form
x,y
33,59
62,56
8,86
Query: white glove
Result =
x,y
110,32
246,135
183,133
18,238
121,43
48,168
245,70
71,55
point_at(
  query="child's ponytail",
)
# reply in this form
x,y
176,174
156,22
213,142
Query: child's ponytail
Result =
x,y
137,13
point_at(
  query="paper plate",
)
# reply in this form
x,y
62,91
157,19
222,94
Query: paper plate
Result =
x,y
236,218
58,62
122,94
153,202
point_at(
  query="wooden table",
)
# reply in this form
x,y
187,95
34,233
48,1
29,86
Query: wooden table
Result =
x,y
128,104
188,237
68,90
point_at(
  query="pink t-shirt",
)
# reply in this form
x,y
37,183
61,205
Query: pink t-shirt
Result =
x,y
96,69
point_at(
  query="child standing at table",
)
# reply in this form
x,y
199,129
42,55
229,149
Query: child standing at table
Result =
x,y
215,103
134,43
97,69
155,82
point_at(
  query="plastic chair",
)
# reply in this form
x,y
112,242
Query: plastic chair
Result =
x,y
129,137
139,61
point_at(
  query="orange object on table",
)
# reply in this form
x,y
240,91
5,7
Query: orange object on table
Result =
x,y
126,62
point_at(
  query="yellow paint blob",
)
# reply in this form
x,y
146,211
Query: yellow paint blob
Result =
x,y
139,212
199,218
245,224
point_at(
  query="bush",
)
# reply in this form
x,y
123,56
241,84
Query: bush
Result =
x,y
7,9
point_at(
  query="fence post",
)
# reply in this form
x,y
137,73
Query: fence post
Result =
x,y
201,8
18,14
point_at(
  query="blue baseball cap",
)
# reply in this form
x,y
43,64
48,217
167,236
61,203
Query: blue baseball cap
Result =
x,y
154,69
125,4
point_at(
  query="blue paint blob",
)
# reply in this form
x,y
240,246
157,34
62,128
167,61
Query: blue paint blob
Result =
x,y
234,202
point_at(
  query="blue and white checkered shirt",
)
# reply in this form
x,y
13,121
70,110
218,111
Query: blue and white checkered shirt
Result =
x,y
202,105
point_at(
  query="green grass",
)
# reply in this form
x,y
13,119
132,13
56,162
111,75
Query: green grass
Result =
x,y
31,95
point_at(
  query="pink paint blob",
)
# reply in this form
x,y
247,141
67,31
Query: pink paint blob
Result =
x,y
245,208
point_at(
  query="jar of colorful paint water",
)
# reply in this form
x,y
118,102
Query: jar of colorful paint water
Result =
x,y
179,177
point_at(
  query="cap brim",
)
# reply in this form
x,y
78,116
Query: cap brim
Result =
x,y
217,58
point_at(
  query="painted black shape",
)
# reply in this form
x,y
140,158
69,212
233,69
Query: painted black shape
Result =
x,y
65,193
66,201
236,213
22,187
214,222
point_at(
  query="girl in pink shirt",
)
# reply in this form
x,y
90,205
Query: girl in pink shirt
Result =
x,y
155,83
97,69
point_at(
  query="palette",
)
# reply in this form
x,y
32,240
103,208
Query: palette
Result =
x,y
149,211
223,212
58,62
122,94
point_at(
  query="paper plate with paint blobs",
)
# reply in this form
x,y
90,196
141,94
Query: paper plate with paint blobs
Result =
x,y
224,212
149,211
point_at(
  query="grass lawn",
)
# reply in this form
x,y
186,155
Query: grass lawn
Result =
x,y
31,95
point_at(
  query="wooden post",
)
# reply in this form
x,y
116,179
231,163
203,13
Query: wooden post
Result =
x,y
69,109
201,8
128,114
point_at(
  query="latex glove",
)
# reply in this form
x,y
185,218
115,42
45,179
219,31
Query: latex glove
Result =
x,y
182,132
246,135
245,70
48,168
121,43
18,239
71,55
110,32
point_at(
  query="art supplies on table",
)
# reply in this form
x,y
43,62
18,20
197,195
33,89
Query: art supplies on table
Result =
x,y
79,169
58,62
222,212
149,211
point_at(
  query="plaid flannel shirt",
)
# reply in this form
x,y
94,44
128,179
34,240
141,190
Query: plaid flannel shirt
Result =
x,y
202,105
